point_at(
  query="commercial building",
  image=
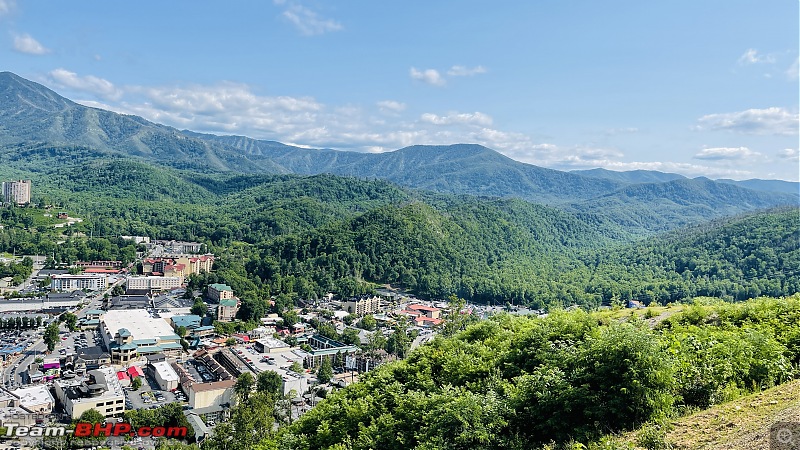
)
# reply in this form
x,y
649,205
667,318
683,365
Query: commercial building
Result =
x,y
17,192
130,334
188,321
100,390
218,292
268,345
217,393
362,305
92,282
325,348
164,375
148,284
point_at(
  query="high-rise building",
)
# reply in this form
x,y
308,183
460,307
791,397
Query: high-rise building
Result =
x,y
18,192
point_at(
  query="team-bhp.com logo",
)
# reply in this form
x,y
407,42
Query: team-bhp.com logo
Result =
x,y
87,430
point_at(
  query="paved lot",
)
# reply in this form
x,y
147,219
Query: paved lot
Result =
x,y
145,397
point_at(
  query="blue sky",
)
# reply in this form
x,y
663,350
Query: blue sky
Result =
x,y
695,87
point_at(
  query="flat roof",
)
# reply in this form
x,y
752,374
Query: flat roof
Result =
x,y
138,322
165,371
33,396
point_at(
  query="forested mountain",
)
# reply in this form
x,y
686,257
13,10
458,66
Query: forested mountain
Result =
x,y
654,176
654,207
34,120
755,184
303,235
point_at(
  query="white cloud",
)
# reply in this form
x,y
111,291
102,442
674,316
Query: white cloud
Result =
x,y
753,121
751,56
430,76
793,72
6,6
25,43
462,71
476,118
789,153
726,153
391,106
89,83
307,22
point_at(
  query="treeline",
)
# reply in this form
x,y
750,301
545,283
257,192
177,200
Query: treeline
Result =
x,y
520,383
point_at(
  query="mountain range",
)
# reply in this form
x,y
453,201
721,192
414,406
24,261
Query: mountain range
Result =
x,y
32,115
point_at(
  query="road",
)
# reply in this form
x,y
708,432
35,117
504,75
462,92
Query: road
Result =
x,y
12,373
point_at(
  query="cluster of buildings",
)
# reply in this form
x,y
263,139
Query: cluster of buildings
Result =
x,y
17,192
180,266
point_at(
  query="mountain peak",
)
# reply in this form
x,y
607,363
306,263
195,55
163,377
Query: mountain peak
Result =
x,y
21,96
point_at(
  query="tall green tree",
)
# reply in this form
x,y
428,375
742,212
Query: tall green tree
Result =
x,y
269,382
325,372
244,385
51,335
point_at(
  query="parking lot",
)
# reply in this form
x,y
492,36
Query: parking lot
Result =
x,y
149,396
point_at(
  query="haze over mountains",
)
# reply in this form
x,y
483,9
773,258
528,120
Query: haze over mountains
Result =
x,y
31,114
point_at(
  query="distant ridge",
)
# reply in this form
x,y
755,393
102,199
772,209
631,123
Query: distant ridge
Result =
x,y
630,176
33,117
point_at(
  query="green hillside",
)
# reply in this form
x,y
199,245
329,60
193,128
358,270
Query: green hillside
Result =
x,y
526,383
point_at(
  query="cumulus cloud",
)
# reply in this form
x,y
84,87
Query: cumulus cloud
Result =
x,y
789,153
307,22
476,118
751,56
725,153
89,83
429,76
391,106
25,43
753,121
463,71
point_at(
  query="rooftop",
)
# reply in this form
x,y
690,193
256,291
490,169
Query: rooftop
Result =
x,y
220,287
33,396
139,322
165,371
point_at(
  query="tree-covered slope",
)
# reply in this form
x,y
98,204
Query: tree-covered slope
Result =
x,y
525,383
656,207
734,259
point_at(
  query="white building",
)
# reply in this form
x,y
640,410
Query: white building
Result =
x,y
85,282
165,376
362,305
18,192
153,283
